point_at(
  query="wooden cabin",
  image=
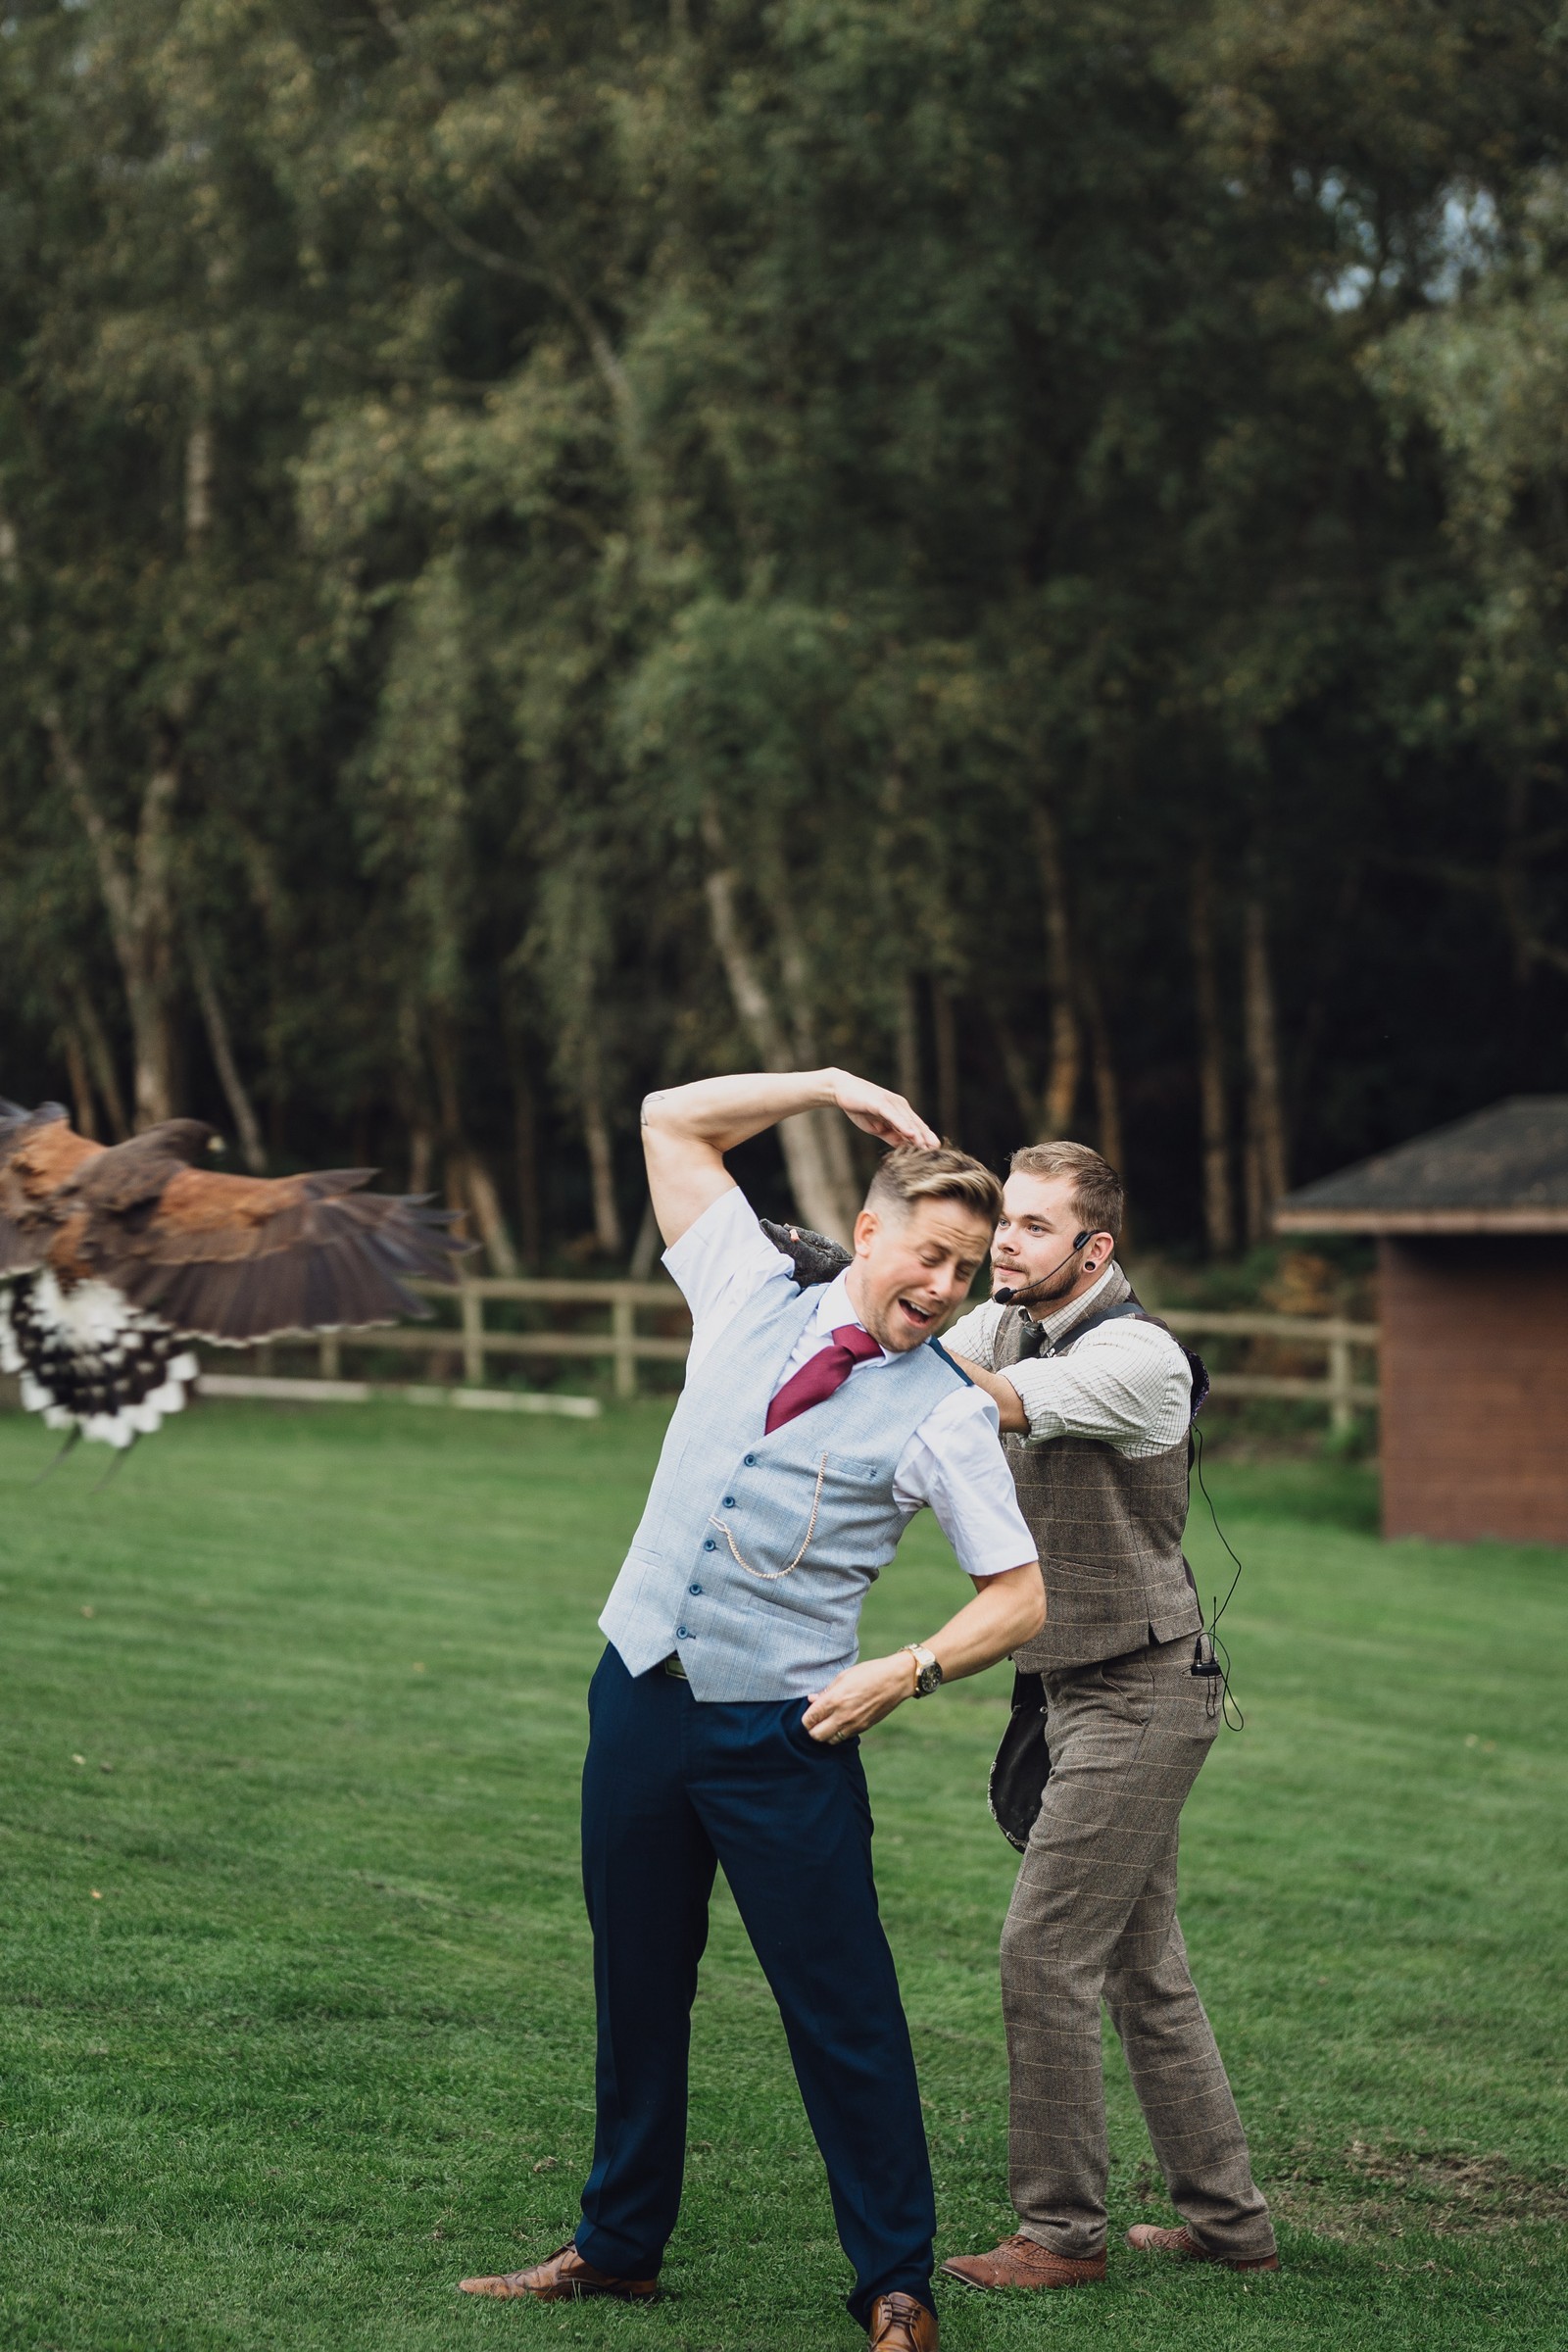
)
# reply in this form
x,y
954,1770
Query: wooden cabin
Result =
x,y
1472,1231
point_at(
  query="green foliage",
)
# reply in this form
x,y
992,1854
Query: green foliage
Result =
x,y
503,461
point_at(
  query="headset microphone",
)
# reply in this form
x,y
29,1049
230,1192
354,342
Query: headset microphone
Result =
x,y
1014,1298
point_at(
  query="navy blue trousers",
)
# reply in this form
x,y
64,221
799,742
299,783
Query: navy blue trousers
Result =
x,y
671,1789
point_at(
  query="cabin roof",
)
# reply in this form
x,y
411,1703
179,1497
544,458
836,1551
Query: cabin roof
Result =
x,y
1502,1171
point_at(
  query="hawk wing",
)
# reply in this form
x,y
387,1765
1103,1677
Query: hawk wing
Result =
x,y
247,1257
111,1260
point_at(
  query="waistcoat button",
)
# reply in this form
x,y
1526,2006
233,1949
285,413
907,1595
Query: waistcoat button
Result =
x,y
708,1545
750,1459
694,1588
681,1635
729,1502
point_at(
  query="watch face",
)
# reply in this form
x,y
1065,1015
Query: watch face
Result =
x,y
930,1679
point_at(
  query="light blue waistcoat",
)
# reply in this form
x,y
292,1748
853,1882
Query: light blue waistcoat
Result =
x,y
755,1551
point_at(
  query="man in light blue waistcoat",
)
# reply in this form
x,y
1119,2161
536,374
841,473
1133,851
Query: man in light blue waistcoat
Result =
x,y
726,1711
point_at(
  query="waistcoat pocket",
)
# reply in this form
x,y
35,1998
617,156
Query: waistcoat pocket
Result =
x,y
1082,1572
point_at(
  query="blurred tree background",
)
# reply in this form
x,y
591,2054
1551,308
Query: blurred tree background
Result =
x,y
1018,545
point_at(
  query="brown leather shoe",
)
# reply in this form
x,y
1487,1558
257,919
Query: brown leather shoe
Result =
x,y
1181,2242
561,2278
902,2324
1019,2262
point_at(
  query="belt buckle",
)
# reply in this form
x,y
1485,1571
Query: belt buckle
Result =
x,y
675,1669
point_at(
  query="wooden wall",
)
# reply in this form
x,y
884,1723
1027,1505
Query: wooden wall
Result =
x,y
1474,1387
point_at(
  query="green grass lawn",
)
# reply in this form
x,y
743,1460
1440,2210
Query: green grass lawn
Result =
x,y
294,1978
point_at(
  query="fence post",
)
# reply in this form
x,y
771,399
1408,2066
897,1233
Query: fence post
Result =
x,y
472,1299
331,1352
623,1326
1342,1409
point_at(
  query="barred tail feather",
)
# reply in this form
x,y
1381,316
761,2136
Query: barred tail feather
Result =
x,y
90,1362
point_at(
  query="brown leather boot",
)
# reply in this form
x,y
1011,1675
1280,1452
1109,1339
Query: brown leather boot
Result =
x,y
900,2323
1181,2243
1019,2262
561,2278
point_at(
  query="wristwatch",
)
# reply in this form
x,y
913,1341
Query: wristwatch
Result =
x,y
927,1673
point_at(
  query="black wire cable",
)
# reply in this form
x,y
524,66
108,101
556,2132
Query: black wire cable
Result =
x,y
1228,1704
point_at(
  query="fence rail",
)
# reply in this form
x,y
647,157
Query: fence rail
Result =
x,y
619,1341
622,1345
1340,1390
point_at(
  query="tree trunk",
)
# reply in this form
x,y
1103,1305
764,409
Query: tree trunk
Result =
x,y
101,1062
198,486
483,1203
833,1132
818,1199
84,1114
647,1247
1107,1092
471,1187
908,1041
946,1025
413,1096
1219,1208
138,903
1252,1186
136,898
266,897
1067,1041
526,1125
601,1164
1015,1063
152,997
1265,1101
241,1109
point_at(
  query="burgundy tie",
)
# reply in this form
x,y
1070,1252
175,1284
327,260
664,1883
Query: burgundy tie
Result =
x,y
827,1370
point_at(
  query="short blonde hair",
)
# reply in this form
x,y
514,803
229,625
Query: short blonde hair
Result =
x,y
910,1174
1099,1195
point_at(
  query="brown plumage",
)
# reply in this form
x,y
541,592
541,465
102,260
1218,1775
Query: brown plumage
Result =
x,y
112,1258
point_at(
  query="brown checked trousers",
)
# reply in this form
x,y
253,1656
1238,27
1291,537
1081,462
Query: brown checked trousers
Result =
x,y
1093,1915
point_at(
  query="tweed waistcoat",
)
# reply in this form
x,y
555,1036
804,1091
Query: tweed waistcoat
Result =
x,y
1109,1531
756,1549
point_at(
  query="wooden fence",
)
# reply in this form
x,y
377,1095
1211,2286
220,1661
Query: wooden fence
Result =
x,y
1340,1341
618,1340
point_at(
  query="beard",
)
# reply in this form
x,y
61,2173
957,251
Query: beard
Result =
x,y
1044,1293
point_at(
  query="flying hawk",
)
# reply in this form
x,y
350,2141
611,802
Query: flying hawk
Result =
x,y
112,1259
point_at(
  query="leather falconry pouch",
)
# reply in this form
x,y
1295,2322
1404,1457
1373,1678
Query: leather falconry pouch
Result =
x,y
1021,1766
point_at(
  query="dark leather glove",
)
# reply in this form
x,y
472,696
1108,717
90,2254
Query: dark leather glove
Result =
x,y
813,1255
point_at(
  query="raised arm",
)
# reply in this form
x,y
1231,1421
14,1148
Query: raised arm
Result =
x,y
688,1129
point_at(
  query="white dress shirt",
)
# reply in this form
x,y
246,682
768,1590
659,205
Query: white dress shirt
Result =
x,y
1127,1384
953,1462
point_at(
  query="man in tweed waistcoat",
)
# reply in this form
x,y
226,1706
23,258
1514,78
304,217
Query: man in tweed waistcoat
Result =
x,y
725,1712
1095,1403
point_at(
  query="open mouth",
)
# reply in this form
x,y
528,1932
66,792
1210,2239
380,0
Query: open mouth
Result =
x,y
916,1317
